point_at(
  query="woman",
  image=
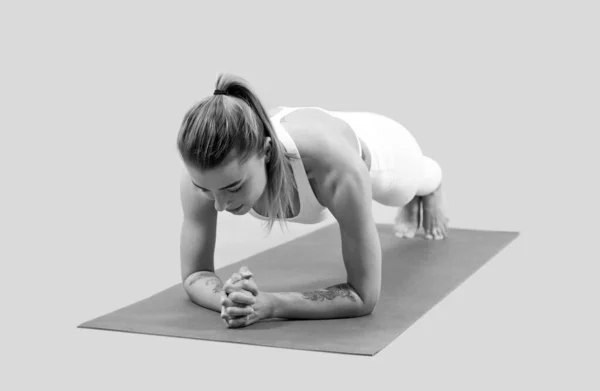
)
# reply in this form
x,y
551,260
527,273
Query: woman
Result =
x,y
300,165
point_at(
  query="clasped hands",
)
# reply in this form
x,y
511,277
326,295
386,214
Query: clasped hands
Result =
x,y
242,304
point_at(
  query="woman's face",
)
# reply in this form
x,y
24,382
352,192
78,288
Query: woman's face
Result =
x,y
236,187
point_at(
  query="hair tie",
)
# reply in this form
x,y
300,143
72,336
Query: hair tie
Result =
x,y
220,92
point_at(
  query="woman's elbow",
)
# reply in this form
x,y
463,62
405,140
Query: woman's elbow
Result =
x,y
368,299
368,305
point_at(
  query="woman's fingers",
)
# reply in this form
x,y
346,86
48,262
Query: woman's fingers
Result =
x,y
224,315
238,322
249,285
235,277
245,284
245,272
231,310
236,312
238,299
242,297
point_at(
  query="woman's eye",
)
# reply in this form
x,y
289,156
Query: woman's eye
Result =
x,y
236,190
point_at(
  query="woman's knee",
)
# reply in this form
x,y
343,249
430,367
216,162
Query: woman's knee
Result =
x,y
391,189
432,177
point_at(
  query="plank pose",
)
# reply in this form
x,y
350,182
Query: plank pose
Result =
x,y
301,165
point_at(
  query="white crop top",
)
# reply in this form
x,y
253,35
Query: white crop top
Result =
x,y
311,211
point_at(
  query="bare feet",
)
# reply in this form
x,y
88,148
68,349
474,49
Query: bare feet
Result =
x,y
408,219
435,222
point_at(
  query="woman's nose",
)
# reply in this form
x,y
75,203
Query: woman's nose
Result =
x,y
221,203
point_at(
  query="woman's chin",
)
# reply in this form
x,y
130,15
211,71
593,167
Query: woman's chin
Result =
x,y
241,211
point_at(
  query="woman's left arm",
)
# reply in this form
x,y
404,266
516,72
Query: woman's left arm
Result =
x,y
347,194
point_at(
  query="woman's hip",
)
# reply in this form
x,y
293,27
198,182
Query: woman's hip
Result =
x,y
396,159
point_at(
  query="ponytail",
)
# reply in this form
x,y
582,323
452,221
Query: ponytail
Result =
x,y
234,119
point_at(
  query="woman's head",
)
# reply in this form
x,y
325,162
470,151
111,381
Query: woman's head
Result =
x,y
229,140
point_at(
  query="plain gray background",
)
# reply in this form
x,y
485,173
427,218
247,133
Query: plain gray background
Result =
x,y
504,95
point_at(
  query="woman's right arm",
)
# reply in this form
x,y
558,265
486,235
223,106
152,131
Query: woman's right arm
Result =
x,y
197,247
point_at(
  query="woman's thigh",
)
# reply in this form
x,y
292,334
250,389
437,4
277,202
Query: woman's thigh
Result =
x,y
396,158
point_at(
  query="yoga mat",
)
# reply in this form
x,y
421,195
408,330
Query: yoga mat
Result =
x,y
417,274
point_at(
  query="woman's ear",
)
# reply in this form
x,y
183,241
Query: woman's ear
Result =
x,y
268,149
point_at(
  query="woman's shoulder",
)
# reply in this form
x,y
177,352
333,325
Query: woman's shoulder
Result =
x,y
323,141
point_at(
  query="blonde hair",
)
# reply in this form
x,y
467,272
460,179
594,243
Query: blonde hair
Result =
x,y
237,121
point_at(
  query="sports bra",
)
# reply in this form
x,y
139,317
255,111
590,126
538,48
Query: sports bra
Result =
x,y
311,210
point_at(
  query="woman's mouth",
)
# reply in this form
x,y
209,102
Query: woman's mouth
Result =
x,y
235,210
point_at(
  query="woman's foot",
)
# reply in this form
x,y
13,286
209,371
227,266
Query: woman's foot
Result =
x,y
408,219
435,222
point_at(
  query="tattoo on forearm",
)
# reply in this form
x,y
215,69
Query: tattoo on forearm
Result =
x,y
340,290
198,277
210,279
218,284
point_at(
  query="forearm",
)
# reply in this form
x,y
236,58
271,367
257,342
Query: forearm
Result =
x,y
339,301
204,289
